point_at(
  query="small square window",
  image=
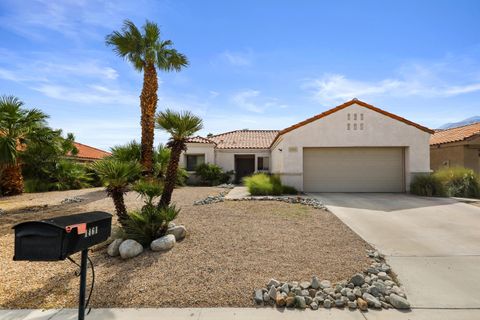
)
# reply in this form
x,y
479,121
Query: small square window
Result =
x,y
193,160
263,163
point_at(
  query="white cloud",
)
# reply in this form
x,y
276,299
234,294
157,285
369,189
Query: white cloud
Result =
x,y
93,94
434,81
241,59
251,100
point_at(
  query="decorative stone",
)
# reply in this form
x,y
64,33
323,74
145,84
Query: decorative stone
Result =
x,y
258,296
385,305
266,297
164,243
325,284
315,283
272,292
300,302
362,304
305,284
280,300
358,279
371,300
114,248
383,276
273,282
290,302
327,303
171,225
129,249
352,305
398,302
314,305
178,231
308,300
305,293
285,288
339,303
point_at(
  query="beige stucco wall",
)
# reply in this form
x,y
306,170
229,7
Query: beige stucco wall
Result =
x,y
199,148
331,131
464,154
225,158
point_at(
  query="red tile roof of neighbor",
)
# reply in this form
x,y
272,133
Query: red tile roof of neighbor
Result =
x,y
455,134
264,139
91,153
199,139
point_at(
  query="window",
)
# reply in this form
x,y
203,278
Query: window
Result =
x,y
193,160
348,116
263,163
361,116
355,116
348,126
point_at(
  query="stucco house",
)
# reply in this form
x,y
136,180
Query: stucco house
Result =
x,y
456,147
354,147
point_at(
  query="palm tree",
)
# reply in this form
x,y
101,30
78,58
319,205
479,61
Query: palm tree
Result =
x,y
18,126
117,175
180,126
146,51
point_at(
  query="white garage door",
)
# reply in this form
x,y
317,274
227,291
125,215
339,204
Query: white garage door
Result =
x,y
353,170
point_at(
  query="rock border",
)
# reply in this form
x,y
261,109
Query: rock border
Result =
x,y
375,288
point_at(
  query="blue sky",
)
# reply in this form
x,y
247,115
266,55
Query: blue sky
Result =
x,y
254,64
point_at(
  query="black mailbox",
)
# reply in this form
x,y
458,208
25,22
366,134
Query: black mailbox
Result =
x,y
58,238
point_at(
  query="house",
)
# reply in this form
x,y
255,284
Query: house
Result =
x,y
456,147
354,147
87,153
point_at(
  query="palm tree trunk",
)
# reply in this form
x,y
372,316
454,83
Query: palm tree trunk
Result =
x,y
171,176
148,105
11,180
120,207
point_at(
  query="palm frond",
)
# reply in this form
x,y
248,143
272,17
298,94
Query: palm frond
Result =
x,y
180,125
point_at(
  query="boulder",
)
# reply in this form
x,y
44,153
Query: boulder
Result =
x,y
164,243
371,300
300,302
114,248
398,302
129,249
178,231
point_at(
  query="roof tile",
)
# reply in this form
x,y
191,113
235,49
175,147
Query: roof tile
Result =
x,y
455,134
87,152
245,139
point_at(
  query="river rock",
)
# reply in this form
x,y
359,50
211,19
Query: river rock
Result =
x,y
178,231
164,243
398,302
129,249
114,248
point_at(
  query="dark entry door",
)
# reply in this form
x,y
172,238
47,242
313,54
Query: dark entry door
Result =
x,y
244,166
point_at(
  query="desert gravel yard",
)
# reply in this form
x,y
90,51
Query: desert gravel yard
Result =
x,y
231,248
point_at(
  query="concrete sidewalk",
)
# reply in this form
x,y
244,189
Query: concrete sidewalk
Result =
x,y
238,314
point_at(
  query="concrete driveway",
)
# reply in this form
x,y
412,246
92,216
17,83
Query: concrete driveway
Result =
x,y
433,244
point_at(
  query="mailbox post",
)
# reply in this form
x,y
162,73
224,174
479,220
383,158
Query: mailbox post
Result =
x,y
58,238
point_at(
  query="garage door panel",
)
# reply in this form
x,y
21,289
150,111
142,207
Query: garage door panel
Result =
x,y
353,169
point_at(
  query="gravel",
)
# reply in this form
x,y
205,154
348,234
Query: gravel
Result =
x,y
231,248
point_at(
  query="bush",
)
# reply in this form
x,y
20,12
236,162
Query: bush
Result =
x,y
148,189
262,184
182,176
459,182
70,175
150,223
211,174
36,185
427,185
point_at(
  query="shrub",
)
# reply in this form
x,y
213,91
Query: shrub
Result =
x,y
182,176
459,182
70,175
36,185
262,184
149,223
148,189
427,185
211,174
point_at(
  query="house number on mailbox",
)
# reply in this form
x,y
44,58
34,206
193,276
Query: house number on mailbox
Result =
x,y
91,231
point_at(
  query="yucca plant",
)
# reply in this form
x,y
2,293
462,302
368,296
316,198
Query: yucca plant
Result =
x,y
147,51
117,176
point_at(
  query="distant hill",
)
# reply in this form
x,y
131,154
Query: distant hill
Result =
x,y
461,123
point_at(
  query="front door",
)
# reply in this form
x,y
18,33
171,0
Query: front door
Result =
x,y
244,166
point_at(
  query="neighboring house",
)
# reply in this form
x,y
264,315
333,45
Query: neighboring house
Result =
x,y
354,147
87,153
456,147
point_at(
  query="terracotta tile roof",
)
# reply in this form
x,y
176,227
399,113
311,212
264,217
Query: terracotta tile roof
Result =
x,y
347,104
455,134
199,139
90,153
245,139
